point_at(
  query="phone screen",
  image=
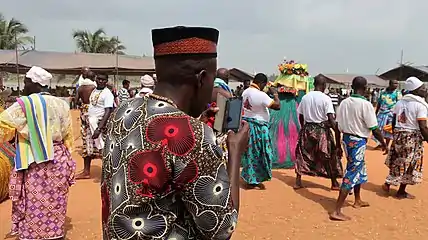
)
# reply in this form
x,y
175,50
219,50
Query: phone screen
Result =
x,y
234,114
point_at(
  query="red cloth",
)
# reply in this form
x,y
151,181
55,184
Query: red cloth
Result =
x,y
211,119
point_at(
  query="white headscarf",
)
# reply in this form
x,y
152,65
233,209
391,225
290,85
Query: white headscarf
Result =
x,y
39,75
147,81
412,83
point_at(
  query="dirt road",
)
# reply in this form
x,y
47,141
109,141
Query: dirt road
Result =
x,y
278,212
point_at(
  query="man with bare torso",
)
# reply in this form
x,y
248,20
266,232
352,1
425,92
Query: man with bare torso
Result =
x,y
82,99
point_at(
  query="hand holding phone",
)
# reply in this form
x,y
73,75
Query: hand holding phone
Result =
x,y
237,142
229,115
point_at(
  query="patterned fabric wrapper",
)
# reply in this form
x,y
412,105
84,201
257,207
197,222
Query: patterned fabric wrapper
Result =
x,y
257,161
39,197
7,153
316,152
405,159
356,171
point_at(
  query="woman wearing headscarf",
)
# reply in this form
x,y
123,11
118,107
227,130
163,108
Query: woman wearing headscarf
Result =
x,y
147,86
410,130
44,169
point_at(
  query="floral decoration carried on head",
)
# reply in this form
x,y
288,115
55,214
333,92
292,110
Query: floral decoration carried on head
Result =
x,y
293,68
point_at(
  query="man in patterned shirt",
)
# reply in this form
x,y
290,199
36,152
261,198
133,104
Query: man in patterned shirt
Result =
x,y
164,177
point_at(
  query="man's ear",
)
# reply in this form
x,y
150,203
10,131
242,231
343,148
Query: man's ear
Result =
x,y
200,78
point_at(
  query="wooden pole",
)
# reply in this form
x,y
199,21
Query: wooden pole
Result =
x,y
116,75
400,74
17,64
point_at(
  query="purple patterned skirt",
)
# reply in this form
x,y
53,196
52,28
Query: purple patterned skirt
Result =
x,y
39,196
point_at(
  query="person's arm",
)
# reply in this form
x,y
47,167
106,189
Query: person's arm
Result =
x,y
332,122
371,123
276,104
300,112
77,98
11,120
66,128
301,120
108,106
394,119
223,92
269,102
379,102
422,117
213,193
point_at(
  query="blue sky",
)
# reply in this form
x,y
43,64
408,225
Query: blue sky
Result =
x,y
330,35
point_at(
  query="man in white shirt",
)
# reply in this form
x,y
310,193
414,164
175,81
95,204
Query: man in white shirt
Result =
x,y
356,119
101,103
316,152
257,160
405,160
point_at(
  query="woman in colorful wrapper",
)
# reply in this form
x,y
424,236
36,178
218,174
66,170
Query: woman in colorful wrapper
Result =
x,y
405,159
292,83
386,103
7,151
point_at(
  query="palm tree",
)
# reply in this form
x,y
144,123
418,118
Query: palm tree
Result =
x,y
97,42
10,29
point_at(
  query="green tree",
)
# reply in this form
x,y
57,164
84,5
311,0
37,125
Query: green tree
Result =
x,y
10,29
97,42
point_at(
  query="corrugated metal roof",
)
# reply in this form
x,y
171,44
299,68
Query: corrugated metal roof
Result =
x,y
347,79
240,75
74,61
404,71
421,68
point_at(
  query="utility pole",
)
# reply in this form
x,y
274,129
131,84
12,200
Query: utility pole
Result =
x,y
401,66
34,43
117,61
17,64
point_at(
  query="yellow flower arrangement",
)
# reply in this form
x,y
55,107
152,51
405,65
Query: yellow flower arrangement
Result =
x,y
293,68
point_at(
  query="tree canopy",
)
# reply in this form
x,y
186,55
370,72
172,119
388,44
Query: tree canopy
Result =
x,y
13,34
97,42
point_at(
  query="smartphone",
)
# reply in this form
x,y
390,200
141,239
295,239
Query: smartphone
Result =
x,y
229,116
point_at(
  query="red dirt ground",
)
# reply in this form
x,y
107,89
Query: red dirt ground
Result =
x,y
278,212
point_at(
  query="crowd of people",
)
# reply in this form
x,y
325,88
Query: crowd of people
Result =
x,y
166,173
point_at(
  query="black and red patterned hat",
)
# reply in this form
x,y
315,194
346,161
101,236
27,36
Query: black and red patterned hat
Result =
x,y
185,41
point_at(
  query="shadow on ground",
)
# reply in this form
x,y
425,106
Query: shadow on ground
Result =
x,y
68,226
326,202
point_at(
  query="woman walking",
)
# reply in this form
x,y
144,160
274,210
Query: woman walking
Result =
x,y
405,160
44,170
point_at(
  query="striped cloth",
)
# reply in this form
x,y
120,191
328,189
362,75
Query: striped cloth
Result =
x,y
334,99
123,95
38,147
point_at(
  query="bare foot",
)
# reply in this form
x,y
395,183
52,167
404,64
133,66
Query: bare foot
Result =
x,y
11,235
298,186
261,186
250,186
335,188
335,216
361,204
378,147
404,195
386,187
83,175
